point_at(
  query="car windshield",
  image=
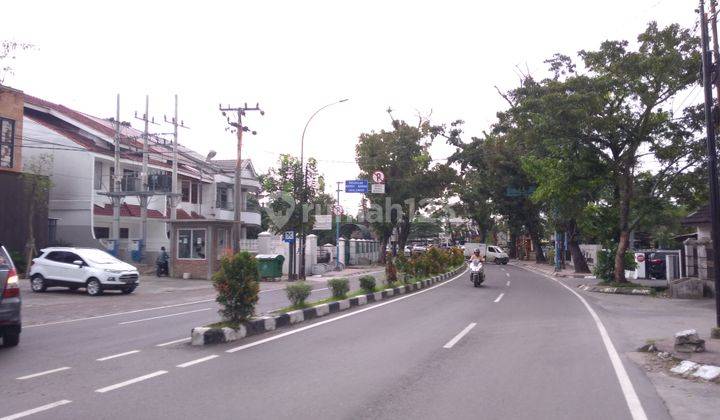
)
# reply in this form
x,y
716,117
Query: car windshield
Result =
x,y
99,257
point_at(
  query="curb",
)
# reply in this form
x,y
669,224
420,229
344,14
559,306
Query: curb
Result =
x,y
616,290
201,336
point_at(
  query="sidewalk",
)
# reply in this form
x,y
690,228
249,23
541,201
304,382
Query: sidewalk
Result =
x,y
549,270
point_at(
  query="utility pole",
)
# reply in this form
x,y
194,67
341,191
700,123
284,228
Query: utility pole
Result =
x,y
174,193
238,128
707,70
716,46
338,217
116,181
144,194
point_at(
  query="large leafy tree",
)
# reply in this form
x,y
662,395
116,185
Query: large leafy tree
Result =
x,y
627,97
412,181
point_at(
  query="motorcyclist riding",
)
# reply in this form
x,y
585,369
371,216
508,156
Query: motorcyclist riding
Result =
x,y
476,256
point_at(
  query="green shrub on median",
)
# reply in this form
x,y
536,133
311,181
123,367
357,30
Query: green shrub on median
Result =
x,y
237,287
298,292
339,287
367,283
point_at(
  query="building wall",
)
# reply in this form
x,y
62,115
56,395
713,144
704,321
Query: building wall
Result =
x,y
11,107
71,194
14,211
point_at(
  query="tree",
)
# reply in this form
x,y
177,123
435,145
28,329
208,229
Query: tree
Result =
x,y
8,55
37,187
285,188
628,113
411,181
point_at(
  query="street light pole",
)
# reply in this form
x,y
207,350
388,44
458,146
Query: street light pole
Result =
x,y
303,174
712,157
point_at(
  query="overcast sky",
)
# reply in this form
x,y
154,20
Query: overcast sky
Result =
x,y
296,56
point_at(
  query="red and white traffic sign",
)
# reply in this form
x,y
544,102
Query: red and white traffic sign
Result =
x,y
378,177
337,209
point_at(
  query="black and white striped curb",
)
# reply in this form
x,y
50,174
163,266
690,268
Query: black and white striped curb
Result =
x,y
616,290
205,335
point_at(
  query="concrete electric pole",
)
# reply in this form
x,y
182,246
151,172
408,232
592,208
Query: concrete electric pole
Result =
x,y
239,129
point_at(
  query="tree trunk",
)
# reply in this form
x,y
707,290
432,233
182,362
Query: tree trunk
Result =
x,y
512,246
30,246
539,255
624,225
579,262
403,232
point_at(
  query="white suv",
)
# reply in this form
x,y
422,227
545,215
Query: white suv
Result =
x,y
91,268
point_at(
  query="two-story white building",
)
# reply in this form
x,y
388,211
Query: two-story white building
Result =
x,y
82,171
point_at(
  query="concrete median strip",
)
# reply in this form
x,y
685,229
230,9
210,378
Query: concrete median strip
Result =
x,y
204,335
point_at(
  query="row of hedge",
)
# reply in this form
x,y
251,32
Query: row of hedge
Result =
x,y
238,289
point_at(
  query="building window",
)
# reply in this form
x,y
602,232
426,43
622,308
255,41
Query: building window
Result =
x,y
124,233
52,231
191,244
196,193
223,198
185,190
98,175
101,232
7,143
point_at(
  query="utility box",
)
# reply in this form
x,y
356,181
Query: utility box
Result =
x,y
270,265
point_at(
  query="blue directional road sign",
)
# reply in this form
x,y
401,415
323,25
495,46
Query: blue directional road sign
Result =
x,y
289,236
357,186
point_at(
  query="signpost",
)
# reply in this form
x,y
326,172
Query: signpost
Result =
x,y
357,186
289,236
378,177
378,189
323,222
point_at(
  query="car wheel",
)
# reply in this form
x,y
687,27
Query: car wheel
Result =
x,y
93,287
505,262
37,283
128,290
11,339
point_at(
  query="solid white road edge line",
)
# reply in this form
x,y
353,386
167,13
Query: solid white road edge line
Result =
x,y
173,342
633,402
163,316
131,381
327,321
460,335
499,297
35,375
196,361
115,356
119,313
36,410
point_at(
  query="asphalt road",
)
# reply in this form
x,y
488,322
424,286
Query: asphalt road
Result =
x,y
523,346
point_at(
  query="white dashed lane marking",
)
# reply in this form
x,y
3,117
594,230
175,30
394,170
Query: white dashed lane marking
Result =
x,y
47,372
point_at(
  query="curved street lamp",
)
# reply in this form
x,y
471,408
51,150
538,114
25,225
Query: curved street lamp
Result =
x,y
304,185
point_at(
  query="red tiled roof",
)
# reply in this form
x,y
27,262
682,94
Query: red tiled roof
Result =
x,y
126,210
183,215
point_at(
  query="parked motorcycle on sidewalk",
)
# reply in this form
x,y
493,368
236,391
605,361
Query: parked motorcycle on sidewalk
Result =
x,y
477,273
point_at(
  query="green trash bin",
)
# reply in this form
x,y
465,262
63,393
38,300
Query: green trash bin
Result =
x,y
270,265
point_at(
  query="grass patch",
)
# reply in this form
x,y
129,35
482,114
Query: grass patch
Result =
x,y
615,284
225,324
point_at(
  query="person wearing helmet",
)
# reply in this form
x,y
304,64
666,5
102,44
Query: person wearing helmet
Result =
x,y
476,256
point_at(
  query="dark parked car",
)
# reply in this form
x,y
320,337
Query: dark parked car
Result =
x,y
655,264
10,324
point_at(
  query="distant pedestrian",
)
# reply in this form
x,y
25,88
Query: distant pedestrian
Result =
x,y
162,262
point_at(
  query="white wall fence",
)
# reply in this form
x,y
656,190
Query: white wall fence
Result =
x,y
361,252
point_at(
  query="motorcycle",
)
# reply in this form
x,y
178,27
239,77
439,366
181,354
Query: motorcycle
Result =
x,y
161,268
477,273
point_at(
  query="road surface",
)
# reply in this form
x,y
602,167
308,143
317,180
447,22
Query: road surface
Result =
x,y
521,347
